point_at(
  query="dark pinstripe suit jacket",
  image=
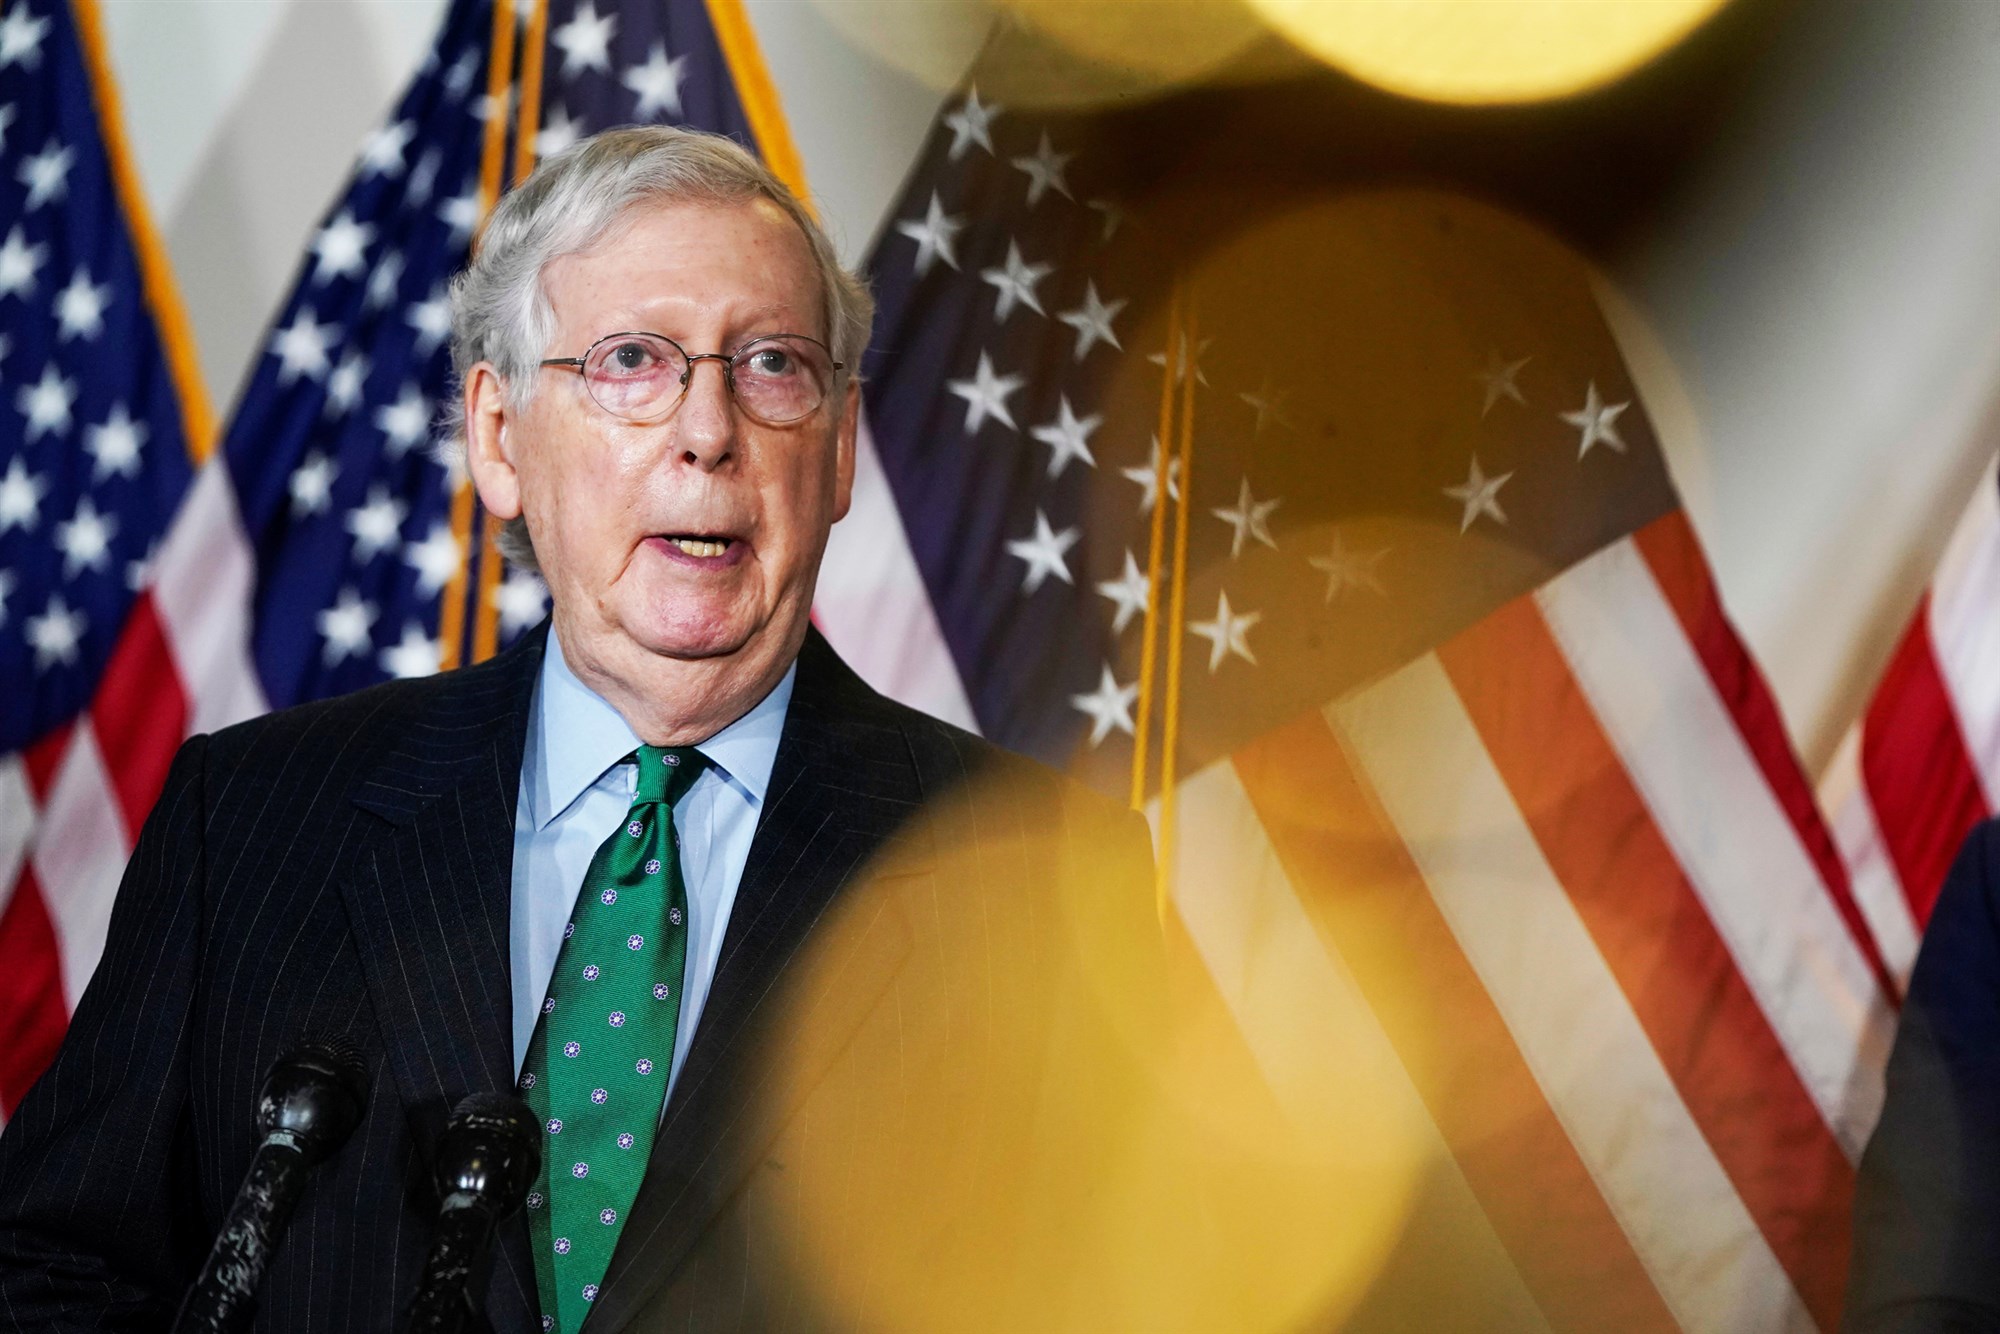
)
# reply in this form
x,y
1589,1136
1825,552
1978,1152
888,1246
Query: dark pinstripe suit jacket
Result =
x,y
345,867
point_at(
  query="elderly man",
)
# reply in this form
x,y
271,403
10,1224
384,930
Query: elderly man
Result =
x,y
667,868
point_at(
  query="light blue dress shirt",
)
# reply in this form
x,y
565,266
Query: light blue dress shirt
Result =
x,y
576,789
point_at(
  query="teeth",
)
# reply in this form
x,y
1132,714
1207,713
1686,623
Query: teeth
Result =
x,y
695,546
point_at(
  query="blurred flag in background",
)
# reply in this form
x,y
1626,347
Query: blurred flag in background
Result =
x,y
102,423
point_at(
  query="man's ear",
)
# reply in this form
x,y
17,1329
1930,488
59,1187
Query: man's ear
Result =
x,y
489,450
843,464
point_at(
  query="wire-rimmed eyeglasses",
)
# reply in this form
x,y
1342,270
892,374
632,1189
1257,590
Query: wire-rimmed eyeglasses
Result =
x,y
641,377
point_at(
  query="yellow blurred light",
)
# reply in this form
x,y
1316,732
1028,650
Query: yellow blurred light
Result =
x,y
1485,51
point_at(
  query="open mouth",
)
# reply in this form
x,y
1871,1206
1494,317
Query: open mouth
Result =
x,y
701,546
708,548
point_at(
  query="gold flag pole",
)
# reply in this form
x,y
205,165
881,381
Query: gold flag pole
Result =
x,y
486,610
492,163
1148,649
1177,612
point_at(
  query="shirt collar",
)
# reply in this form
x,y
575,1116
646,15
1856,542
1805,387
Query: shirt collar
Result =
x,y
577,735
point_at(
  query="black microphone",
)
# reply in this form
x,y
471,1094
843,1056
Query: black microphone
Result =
x,y
487,1158
311,1102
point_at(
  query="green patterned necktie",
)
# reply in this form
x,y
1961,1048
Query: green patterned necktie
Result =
x,y
603,1048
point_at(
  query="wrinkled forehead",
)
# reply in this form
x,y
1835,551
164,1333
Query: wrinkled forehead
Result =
x,y
748,260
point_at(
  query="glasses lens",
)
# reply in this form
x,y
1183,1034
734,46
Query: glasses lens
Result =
x,y
781,379
635,376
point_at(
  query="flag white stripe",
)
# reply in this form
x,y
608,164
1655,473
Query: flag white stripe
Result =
x,y
872,606
1965,631
1713,805
204,578
1420,752
1878,890
80,857
17,823
1303,1015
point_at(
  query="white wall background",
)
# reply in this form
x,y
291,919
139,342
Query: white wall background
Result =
x,y
1816,323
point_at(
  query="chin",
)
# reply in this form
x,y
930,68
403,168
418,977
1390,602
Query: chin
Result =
x,y
685,632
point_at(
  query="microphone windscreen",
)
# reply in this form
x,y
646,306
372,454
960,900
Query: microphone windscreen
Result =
x,y
316,1092
491,1150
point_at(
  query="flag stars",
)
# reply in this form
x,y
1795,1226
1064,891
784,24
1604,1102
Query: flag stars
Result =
x,y
55,634
1500,379
1269,405
376,524
585,40
970,123
1345,569
424,179
1249,518
558,132
301,348
1044,169
1228,634
1108,707
85,540
6,591
432,321
21,495
383,281
936,236
47,403
46,174
657,84
1068,437
1128,594
1186,357
1114,218
435,559
21,35
340,247
1015,282
1480,496
80,307
1046,553
986,395
1147,476
312,484
1092,321
461,214
382,155
19,263
406,421
1598,422
416,654
345,627
343,387
115,444
522,599
8,113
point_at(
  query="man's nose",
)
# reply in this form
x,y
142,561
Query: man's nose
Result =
x,y
705,424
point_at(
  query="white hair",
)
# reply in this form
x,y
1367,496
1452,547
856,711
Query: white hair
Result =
x,y
499,312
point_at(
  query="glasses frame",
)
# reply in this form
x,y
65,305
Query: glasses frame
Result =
x,y
728,360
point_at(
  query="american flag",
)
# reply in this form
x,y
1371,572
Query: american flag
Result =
x,y
101,419
318,551
1922,767
1447,739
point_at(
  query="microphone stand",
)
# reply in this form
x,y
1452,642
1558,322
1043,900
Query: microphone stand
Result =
x,y
487,1158
311,1102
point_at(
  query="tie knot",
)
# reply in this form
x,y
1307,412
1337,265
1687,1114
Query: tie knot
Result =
x,y
667,772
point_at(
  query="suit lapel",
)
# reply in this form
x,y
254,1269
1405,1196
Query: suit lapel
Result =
x,y
430,897
842,786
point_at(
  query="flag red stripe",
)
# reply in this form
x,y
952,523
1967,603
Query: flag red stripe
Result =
x,y
31,992
1674,556
1654,932
1369,902
140,713
1916,769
